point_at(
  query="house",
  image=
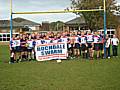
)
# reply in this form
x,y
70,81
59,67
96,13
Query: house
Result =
x,y
77,23
20,25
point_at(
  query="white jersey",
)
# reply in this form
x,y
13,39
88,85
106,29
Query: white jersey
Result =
x,y
96,39
30,43
77,39
83,40
108,43
90,38
115,41
74,39
15,43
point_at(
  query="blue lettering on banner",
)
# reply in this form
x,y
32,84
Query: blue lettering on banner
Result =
x,y
47,52
50,47
54,47
46,48
43,53
43,48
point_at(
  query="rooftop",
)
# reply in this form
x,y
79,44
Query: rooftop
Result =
x,y
18,22
77,20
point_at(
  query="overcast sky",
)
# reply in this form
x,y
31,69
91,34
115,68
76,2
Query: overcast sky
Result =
x,y
37,5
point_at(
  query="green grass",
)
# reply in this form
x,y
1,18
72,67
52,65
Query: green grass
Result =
x,y
68,75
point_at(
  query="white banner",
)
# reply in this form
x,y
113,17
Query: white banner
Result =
x,y
51,51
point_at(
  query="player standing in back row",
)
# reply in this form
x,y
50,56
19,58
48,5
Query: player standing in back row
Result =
x,y
83,44
115,43
90,39
96,44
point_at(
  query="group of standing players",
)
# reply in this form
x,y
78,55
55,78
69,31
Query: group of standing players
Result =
x,y
80,44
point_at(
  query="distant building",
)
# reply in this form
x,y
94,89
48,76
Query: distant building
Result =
x,y
80,24
45,26
76,24
20,25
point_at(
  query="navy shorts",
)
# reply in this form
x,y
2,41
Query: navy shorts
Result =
x,y
18,49
77,45
89,45
13,49
24,49
29,50
101,46
97,46
83,47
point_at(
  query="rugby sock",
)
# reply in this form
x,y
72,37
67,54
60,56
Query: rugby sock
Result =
x,y
86,55
78,55
17,60
102,55
83,55
12,59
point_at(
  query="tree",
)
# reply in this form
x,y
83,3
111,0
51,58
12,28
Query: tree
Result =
x,y
95,19
54,26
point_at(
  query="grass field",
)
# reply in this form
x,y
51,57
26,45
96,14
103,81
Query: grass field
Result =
x,y
68,75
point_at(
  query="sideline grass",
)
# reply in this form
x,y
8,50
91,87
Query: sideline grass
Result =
x,y
68,75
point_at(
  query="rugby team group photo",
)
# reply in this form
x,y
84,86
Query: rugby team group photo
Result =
x,y
80,44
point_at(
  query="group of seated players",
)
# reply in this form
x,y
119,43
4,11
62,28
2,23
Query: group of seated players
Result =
x,y
79,44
